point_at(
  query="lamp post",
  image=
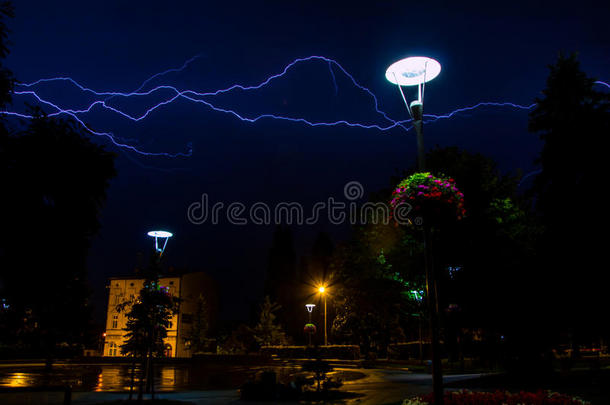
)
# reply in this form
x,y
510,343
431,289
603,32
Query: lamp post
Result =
x,y
322,291
310,308
416,71
162,236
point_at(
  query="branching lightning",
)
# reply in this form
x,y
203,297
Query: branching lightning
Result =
x,y
602,83
103,97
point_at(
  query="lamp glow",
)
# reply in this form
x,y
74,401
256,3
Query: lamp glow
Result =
x,y
321,289
310,307
413,71
160,234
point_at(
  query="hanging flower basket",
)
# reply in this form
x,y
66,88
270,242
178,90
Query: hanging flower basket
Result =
x,y
309,328
436,199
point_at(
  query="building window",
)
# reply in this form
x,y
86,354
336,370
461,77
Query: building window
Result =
x,y
170,325
113,349
115,321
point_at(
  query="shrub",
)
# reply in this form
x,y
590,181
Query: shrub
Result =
x,y
406,351
343,352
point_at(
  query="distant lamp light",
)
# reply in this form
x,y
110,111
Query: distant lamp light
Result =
x,y
310,307
164,235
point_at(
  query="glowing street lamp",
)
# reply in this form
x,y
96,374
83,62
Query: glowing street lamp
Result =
x,y
322,290
310,308
164,236
416,71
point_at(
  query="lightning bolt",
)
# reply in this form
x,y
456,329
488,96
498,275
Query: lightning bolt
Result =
x,y
602,83
202,98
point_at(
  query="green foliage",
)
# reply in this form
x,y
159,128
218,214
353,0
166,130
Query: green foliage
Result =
x,y
267,332
511,219
380,271
148,318
240,341
370,271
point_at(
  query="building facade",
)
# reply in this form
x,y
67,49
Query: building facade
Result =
x,y
188,287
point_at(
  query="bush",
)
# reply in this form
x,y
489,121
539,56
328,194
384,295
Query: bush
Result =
x,y
406,351
266,387
499,398
343,352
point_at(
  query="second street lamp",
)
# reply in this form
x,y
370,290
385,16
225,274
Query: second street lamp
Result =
x,y
310,308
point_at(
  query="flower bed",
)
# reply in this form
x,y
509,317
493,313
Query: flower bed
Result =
x,y
430,196
499,398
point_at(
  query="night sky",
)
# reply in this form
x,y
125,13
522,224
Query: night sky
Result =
x,y
488,53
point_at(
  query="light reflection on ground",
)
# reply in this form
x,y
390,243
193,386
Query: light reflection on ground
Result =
x,y
117,377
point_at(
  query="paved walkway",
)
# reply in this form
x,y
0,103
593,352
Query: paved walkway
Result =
x,y
378,387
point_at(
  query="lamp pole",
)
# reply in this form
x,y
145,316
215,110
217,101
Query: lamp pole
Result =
x,y
431,285
322,291
416,71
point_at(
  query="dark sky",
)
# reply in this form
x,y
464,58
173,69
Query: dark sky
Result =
x,y
488,53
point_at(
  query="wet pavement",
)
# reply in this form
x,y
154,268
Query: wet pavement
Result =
x,y
377,387
210,385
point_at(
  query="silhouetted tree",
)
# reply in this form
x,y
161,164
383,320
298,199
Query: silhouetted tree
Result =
x,y
148,317
282,262
321,255
6,76
367,291
572,118
485,262
197,335
283,284
54,182
267,331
